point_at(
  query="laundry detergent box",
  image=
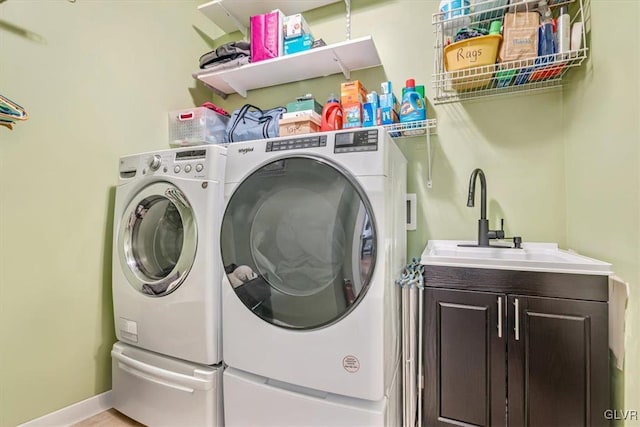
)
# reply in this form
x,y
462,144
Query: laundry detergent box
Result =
x,y
370,109
295,26
389,100
298,44
369,114
352,92
388,116
352,115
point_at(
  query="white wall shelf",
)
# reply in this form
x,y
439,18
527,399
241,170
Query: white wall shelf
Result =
x,y
343,57
233,15
412,129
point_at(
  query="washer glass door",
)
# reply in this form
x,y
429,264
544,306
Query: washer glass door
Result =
x,y
298,242
157,239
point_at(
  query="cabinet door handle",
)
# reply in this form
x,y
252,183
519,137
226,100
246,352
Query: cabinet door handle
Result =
x,y
499,317
517,319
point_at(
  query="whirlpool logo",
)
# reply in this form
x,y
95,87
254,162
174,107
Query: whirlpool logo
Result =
x,y
245,150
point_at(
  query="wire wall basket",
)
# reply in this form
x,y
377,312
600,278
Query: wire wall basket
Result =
x,y
487,77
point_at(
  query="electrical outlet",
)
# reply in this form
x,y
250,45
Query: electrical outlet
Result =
x,y
412,211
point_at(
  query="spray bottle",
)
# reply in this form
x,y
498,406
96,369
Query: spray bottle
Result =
x,y
546,40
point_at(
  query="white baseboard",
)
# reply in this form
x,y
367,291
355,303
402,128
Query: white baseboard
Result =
x,y
74,413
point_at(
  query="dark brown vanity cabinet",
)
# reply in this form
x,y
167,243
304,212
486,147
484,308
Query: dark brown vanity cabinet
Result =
x,y
506,348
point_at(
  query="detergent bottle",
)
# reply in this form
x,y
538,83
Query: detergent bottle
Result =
x,y
331,115
412,107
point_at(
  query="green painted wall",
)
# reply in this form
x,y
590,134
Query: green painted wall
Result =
x,y
602,132
98,78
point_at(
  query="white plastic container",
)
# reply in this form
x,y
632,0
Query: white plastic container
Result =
x,y
196,126
157,390
563,32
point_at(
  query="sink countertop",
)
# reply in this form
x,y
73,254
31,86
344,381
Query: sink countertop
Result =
x,y
531,257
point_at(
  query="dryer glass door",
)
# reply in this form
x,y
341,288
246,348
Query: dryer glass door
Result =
x,y
298,242
157,239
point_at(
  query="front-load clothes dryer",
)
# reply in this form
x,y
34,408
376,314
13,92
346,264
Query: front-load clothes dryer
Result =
x,y
158,390
166,253
313,239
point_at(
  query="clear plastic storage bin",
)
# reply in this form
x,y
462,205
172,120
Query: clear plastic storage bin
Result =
x,y
196,126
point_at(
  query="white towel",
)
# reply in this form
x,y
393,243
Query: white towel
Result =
x,y
241,275
618,296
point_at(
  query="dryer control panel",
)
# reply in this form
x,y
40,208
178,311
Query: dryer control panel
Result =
x,y
297,143
362,140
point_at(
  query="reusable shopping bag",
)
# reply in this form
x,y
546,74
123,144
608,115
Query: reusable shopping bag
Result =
x,y
250,122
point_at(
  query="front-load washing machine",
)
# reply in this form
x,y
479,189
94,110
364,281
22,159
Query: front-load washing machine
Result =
x,y
166,253
313,238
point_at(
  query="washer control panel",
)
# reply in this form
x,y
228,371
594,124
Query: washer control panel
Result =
x,y
187,163
297,143
155,162
177,163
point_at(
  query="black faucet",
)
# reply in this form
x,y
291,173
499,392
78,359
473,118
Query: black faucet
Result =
x,y
484,234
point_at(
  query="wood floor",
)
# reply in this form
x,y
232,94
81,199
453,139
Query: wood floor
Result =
x,y
109,418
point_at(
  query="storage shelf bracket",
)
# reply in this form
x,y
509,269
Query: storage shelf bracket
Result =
x,y
244,30
240,90
429,160
413,129
345,71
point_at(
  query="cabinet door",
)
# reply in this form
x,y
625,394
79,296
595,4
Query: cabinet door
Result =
x,y
464,358
557,358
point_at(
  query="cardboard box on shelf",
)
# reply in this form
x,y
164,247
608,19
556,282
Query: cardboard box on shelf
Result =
x,y
298,125
388,116
295,26
370,114
352,115
389,100
304,104
352,92
386,87
293,114
298,44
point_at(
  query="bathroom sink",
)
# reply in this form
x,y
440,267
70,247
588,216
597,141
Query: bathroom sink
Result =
x,y
532,257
